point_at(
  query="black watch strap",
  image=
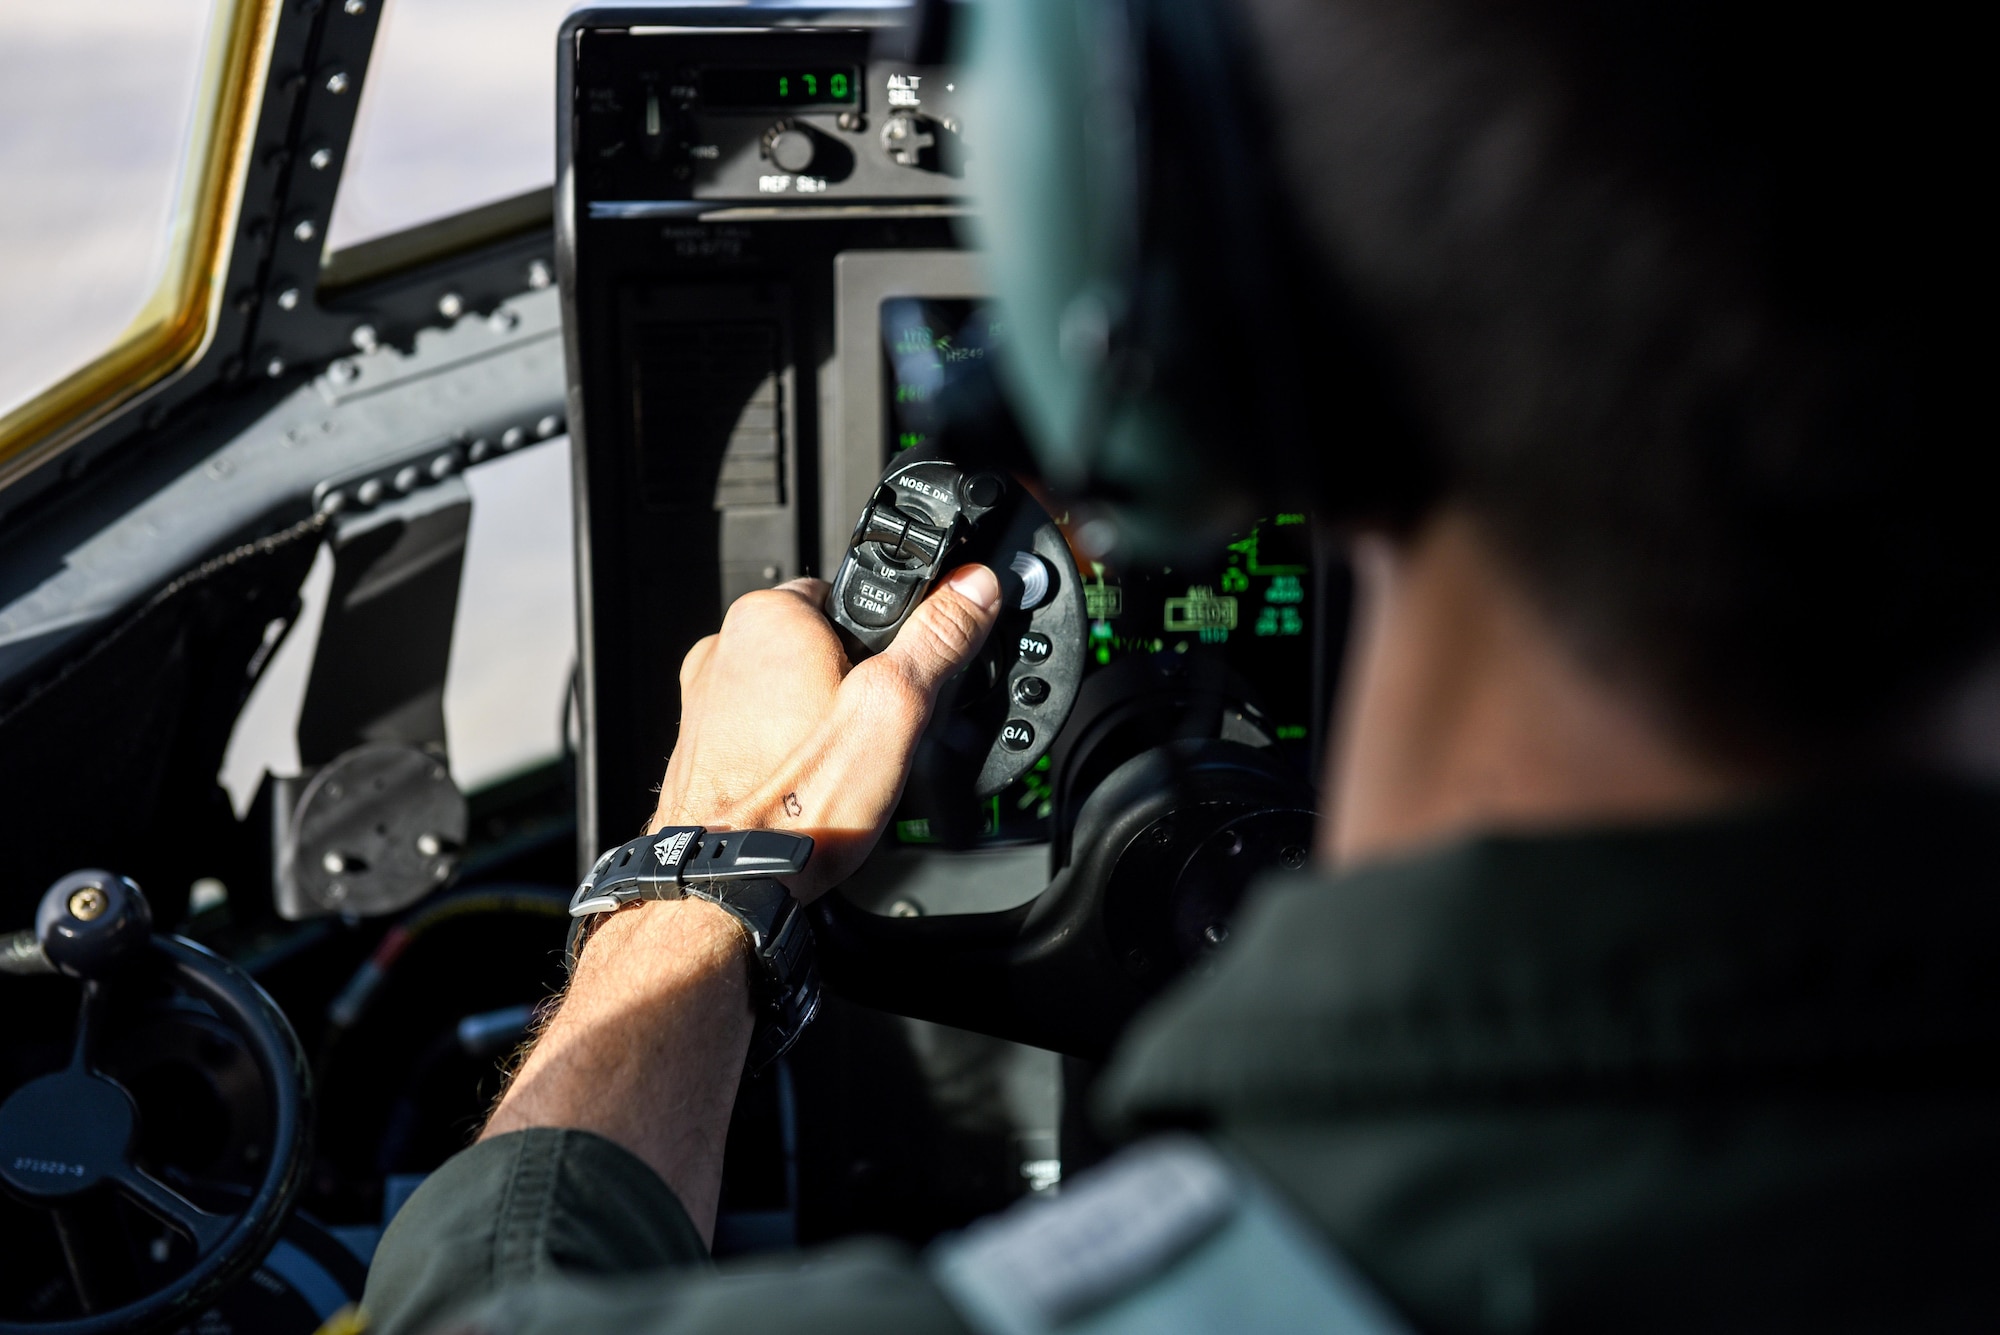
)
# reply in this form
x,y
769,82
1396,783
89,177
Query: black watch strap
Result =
x,y
735,871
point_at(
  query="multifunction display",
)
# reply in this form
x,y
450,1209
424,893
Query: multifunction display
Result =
x,y
1246,608
927,344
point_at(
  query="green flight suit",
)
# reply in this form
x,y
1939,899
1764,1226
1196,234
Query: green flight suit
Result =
x,y
1741,1073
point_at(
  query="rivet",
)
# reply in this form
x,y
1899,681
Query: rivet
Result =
x,y
304,229
451,305
538,275
207,892
337,82
478,451
334,863
364,337
408,477
511,438
369,492
288,300
548,426
355,7
321,159
429,845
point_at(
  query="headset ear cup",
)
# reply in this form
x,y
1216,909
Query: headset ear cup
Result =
x,y
1178,349
1282,390
1054,216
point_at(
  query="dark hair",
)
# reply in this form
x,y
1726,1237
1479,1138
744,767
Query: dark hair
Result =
x,y
1658,281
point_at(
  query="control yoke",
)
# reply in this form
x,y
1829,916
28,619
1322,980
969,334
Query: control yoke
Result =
x,y
1002,714
72,1135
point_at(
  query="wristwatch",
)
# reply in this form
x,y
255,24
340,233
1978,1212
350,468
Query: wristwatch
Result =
x,y
734,870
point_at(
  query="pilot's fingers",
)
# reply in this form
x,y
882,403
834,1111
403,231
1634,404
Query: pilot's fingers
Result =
x,y
779,638
812,590
846,786
697,657
943,634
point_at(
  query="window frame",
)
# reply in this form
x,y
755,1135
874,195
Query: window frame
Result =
x,y
178,320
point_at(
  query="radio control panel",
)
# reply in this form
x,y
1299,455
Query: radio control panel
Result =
x,y
757,116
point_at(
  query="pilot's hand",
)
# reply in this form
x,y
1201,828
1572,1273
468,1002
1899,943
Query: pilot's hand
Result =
x,y
779,731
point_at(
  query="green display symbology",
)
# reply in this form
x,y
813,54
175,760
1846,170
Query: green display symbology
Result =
x,y
928,342
1236,621
1280,621
1252,606
815,86
918,831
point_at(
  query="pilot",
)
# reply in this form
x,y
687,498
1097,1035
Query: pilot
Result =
x,y
1650,974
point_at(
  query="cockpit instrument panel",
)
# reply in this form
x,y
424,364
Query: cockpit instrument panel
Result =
x,y
1246,608
768,299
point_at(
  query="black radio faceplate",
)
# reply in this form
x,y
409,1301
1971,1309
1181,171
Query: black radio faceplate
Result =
x,y
680,112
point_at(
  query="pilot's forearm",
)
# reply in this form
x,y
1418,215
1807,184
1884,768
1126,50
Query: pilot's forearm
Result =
x,y
777,731
648,1046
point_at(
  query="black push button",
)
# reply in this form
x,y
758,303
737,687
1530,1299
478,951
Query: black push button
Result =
x,y
1018,735
1031,690
1036,647
876,602
984,490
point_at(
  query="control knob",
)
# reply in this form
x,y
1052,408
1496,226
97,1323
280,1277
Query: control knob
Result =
x,y
790,146
910,139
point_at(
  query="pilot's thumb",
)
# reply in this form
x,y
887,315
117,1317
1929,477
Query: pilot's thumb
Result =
x,y
947,629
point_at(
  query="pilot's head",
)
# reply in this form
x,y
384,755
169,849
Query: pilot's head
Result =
x,y
1643,295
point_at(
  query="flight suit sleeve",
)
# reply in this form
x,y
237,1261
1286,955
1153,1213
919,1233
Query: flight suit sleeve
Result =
x,y
561,1232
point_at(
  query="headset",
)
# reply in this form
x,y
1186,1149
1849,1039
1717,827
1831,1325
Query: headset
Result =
x,y
1179,352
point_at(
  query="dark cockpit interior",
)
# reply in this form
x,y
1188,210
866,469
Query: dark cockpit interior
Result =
x,y
1253,665
754,305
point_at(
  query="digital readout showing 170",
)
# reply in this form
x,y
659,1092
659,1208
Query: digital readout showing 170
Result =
x,y
825,86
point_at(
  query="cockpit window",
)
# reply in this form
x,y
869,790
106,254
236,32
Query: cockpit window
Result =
x,y
97,98
458,111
